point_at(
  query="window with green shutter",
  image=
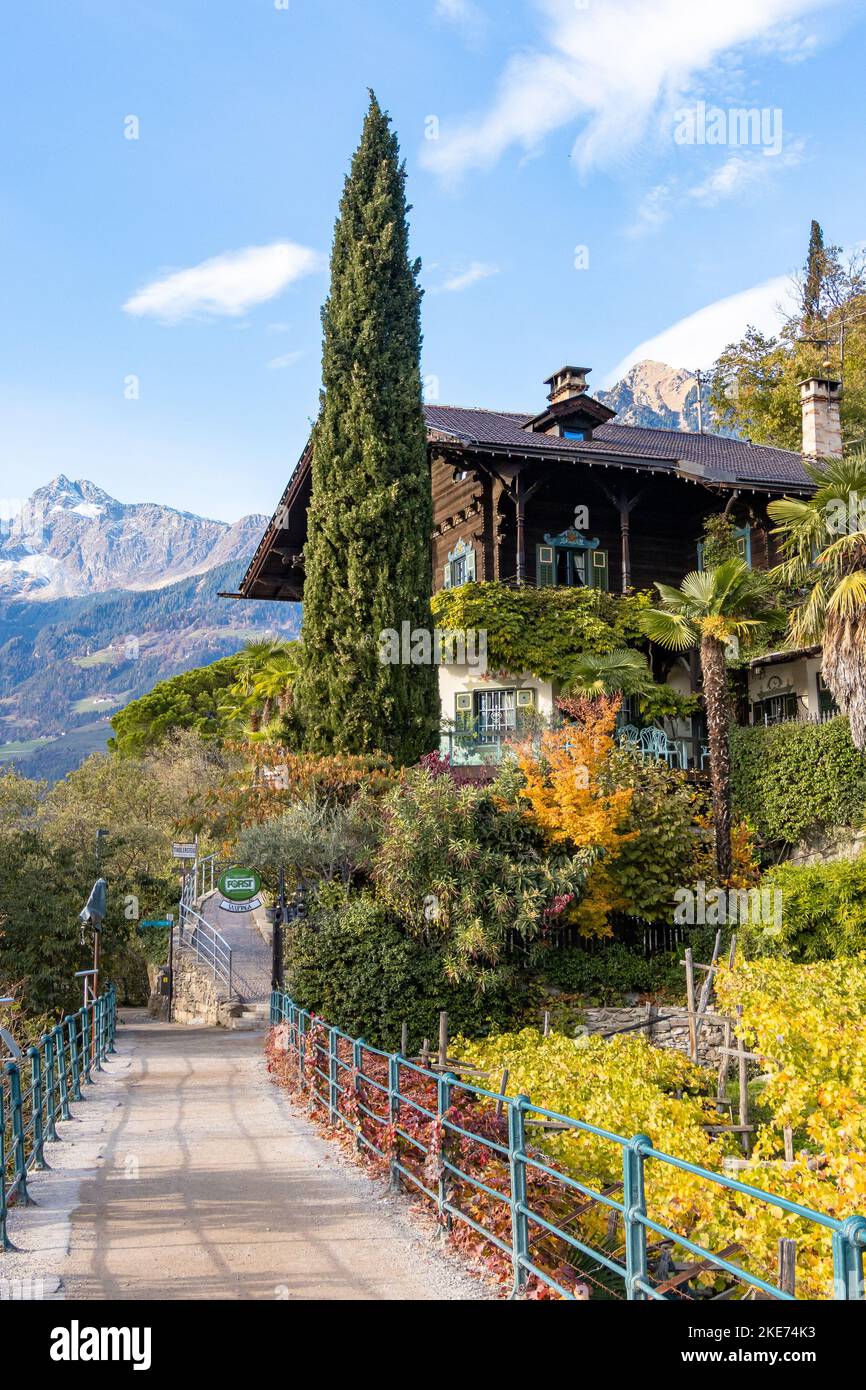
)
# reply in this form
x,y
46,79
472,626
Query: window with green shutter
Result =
x,y
545,566
598,569
460,566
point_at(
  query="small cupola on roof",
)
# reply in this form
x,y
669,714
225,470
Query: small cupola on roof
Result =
x,y
571,413
567,383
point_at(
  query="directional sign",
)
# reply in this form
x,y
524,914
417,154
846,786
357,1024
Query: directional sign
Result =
x,y
239,885
157,922
184,849
11,1045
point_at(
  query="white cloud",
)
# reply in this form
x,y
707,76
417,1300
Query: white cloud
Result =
x,y
653,210
229,284
697,339
478,270
462,12
614,67
741,172
286,359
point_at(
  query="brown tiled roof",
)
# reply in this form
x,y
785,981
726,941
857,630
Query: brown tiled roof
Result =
x,y
715,455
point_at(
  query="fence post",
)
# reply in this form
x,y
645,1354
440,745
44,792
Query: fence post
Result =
x,y
36,1102
358,1069
333,1076
302,1047
5,1242
393,1116
517,1106
112,1017
19,1158
848,1246
444,1083
50,1088
62,1071
634,1206
86,1059
96,1031
74,1058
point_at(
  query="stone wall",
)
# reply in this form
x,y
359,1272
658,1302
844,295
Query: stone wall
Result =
x,y
197,997
670,1030
827,846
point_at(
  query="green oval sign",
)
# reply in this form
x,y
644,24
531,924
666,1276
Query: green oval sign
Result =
x,y
239,885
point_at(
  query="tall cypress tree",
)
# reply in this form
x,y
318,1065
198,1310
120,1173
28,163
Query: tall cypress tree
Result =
x,y
367,557
814,272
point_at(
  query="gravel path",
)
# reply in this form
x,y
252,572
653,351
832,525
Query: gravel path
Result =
x,y
187,1174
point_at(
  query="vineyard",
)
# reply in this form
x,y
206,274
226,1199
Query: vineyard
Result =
x,y
583,1168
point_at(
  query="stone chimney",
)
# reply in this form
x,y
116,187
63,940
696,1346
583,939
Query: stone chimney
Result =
x,y
567,384
822,430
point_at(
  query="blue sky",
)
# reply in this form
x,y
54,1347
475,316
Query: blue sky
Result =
x,y
161,294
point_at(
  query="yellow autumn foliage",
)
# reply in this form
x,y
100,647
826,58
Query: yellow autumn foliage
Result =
x,y
570,798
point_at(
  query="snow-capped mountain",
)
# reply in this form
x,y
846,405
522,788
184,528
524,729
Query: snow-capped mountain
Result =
x,y
72,538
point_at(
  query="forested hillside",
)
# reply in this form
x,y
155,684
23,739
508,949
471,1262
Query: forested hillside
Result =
x,y
67,664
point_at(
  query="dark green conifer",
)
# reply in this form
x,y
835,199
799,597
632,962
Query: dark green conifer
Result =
x,y
367,557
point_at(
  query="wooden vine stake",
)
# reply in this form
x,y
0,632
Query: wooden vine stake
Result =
x,y
745,1138
690,997
443,1040
787,1271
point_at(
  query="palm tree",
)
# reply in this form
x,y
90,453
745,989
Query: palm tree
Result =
x,y
622,671
273,682
265,672
823,544
707,611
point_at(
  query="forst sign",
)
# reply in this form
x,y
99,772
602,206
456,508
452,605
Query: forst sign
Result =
x,y
240,889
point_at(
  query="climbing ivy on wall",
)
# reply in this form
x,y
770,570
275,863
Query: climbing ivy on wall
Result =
x,y
541,631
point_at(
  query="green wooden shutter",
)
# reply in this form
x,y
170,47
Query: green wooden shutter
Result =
x,y
470,565
545,566
446,575
462,712
598,569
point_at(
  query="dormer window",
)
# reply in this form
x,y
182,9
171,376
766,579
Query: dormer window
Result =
x,y
571,413
570,561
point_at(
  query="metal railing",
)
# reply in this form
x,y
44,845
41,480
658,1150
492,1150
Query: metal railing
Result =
x,y
36,1091
347,1077
204,877
194,936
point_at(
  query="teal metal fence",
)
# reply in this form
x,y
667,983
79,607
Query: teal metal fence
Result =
x,y
370,1092
36,1092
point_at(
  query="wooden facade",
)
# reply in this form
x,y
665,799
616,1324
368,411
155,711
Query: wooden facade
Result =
x,y
564,496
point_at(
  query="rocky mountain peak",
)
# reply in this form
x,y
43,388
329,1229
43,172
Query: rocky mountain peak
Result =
x,y
72,537
657,396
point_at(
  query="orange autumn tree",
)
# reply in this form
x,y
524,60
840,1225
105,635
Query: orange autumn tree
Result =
x,y
572,798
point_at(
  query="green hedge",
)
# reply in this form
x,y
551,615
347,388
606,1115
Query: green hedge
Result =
x,y
789,779
352,964
823,912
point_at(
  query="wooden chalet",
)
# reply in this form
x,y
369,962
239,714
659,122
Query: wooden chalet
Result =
x,y
565,497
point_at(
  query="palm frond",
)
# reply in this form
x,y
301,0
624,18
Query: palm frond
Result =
x,y
674,630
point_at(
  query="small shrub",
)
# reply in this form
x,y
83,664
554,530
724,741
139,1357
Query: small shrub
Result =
x,y
823,912
353,963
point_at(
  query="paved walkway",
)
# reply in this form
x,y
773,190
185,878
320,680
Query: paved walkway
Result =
x,y
251,952
187,1174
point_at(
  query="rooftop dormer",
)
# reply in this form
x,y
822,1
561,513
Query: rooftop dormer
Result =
x,y
571,413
